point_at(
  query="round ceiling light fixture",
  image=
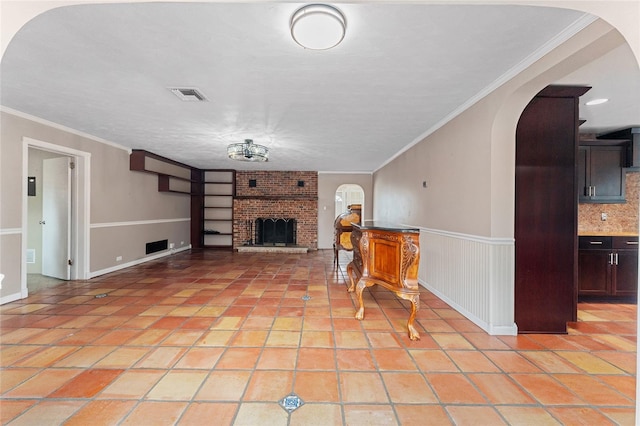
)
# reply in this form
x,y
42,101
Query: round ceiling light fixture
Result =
x,y
318,27
248,151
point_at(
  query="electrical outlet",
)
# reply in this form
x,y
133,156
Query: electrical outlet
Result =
x,y
119,259
603,216
181,243
171,245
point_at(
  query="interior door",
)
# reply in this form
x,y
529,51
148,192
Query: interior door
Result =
x,y
56,217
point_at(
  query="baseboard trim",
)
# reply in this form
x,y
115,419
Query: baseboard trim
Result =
x,y
492,330
10,298
137,262
504,330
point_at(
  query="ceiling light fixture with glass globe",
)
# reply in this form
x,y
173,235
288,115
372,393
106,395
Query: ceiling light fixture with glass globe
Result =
x,y
248,151
318,26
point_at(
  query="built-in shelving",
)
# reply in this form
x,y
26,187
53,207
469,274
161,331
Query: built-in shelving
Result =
x,y
219,188
172,176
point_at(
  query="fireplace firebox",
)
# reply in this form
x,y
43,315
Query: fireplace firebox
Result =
x,y
275,231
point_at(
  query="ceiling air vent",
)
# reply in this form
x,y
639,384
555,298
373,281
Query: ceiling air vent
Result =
x,y
189,94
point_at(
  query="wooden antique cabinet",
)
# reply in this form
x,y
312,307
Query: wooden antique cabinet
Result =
x,y
386,255
342,229
608,266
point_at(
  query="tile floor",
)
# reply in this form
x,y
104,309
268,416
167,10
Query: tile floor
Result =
x,y
221,338
36,282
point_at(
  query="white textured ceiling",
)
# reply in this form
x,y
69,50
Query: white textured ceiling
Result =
x,y
401,71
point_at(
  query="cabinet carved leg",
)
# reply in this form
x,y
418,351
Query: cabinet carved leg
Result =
x,y
352,285
362,284
415,305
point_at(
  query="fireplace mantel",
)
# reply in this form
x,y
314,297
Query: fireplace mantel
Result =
x,y
276,197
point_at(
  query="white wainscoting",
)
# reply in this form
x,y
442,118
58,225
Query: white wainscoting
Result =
x,y
475,275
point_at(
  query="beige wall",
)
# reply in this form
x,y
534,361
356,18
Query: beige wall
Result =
x,y
466,212
126,210
328,183
454,163
108,243
468,164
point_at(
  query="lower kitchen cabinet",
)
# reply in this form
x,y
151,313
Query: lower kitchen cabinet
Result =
x,y
608,266
594,272
625,280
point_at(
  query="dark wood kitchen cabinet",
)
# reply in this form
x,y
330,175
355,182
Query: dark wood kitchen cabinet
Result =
x,y
631,139
594,269
625,279
601,177
608,266
546,211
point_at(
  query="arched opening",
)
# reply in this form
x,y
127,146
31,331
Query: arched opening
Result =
x,y
349,203
346,195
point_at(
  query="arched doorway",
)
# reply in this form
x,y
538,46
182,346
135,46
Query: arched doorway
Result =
x,y
348,194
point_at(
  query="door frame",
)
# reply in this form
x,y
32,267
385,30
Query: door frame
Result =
x,y
80,203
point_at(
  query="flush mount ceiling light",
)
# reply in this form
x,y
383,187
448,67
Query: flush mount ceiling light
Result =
x,y
318,27
597,101
248,151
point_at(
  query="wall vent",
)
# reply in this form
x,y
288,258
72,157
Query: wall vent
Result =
x,y
189,94
156,246
31,255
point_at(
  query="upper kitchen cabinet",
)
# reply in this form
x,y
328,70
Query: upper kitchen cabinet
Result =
x,y
601,176
631,139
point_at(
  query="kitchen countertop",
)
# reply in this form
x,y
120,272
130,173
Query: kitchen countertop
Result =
x,y
607,234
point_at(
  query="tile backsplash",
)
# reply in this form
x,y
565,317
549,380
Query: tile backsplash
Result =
x,y
620,217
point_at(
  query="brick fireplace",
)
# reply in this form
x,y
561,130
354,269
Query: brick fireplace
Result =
x,y
277,195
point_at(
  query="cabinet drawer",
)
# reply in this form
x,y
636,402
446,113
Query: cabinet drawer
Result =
x,y
595,243
625,242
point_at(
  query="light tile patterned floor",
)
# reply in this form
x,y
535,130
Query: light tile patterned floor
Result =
x,y
220,338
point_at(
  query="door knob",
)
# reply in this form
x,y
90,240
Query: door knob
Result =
x,y
42,222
